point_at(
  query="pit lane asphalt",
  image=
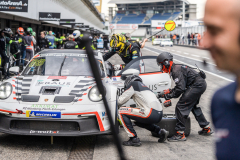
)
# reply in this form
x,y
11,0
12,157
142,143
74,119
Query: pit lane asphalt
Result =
x,y
195,148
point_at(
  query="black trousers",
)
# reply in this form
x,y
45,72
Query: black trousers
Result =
x,y
5,60
143,122
188,103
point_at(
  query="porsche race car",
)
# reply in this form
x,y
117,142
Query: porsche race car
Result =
x,y
56,95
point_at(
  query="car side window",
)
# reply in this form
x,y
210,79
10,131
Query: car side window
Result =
x,y
146,66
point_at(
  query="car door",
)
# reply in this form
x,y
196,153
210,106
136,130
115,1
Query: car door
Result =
x,y
150,73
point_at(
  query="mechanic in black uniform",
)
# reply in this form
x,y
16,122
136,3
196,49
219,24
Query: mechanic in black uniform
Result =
x,y
147,112
70,44
5,43
191,85
126,50
43,42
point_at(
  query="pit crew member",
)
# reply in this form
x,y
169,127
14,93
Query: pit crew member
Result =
x,y
43,41
5,43
148,111
78,37
70,44
53,39
191,86
127,50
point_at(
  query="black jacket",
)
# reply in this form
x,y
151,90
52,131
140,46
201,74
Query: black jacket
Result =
x,y
70,45
43,42
130,52
183,77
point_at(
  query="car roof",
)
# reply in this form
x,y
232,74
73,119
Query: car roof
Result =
x,y
73,51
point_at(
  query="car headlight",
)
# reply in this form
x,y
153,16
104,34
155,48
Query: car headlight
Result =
x,y
5,90
94,94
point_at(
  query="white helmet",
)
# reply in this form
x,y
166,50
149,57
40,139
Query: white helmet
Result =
x,y
76,34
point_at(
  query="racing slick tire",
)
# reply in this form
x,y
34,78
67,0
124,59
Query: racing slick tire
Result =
x,y
168,123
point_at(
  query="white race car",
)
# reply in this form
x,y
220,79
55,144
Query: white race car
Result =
x,y
56,95
156,41
166,42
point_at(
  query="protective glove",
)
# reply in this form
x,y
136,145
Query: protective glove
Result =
x,y
160,94
167,103
163,93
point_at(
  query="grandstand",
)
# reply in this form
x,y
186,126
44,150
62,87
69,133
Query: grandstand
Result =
x,y
143,12
143,18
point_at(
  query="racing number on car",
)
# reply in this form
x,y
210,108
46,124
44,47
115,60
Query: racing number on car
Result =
x,y
120,91
37,62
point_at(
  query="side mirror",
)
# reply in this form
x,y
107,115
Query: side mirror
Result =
x,y
129,72
14,70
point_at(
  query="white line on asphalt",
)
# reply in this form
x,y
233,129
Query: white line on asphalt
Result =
x,y
195,55
206,57
190,58
179,51
173,50
185,53
194,67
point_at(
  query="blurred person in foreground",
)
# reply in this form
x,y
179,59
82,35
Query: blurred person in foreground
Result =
x,y
223,41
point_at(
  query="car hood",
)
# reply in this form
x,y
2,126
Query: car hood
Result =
x,y
54,89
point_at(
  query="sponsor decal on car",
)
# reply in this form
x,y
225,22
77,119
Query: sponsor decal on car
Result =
x,y
115,79
43,114
53,83
42,107
104,116
44,132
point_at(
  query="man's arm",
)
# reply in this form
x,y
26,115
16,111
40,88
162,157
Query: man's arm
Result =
x,y
125,96
180,85
143,44
108,55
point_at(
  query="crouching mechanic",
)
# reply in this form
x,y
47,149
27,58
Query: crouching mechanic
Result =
x,y
148,111
191,86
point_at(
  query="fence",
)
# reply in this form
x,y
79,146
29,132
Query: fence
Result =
x,y
184,31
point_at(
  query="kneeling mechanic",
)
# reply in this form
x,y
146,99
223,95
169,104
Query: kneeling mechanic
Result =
x,y
148,111
191,86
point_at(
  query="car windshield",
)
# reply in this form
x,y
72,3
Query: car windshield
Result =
x,y
50,65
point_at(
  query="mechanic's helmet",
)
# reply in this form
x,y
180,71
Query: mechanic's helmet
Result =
x,y
76,34
7,31
118,41
131,79
34,34
164,59
20,31
30,30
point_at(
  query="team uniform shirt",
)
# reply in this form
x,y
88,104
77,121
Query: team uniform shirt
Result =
x,y
142,96
226,119
70,45
183,76
146,114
